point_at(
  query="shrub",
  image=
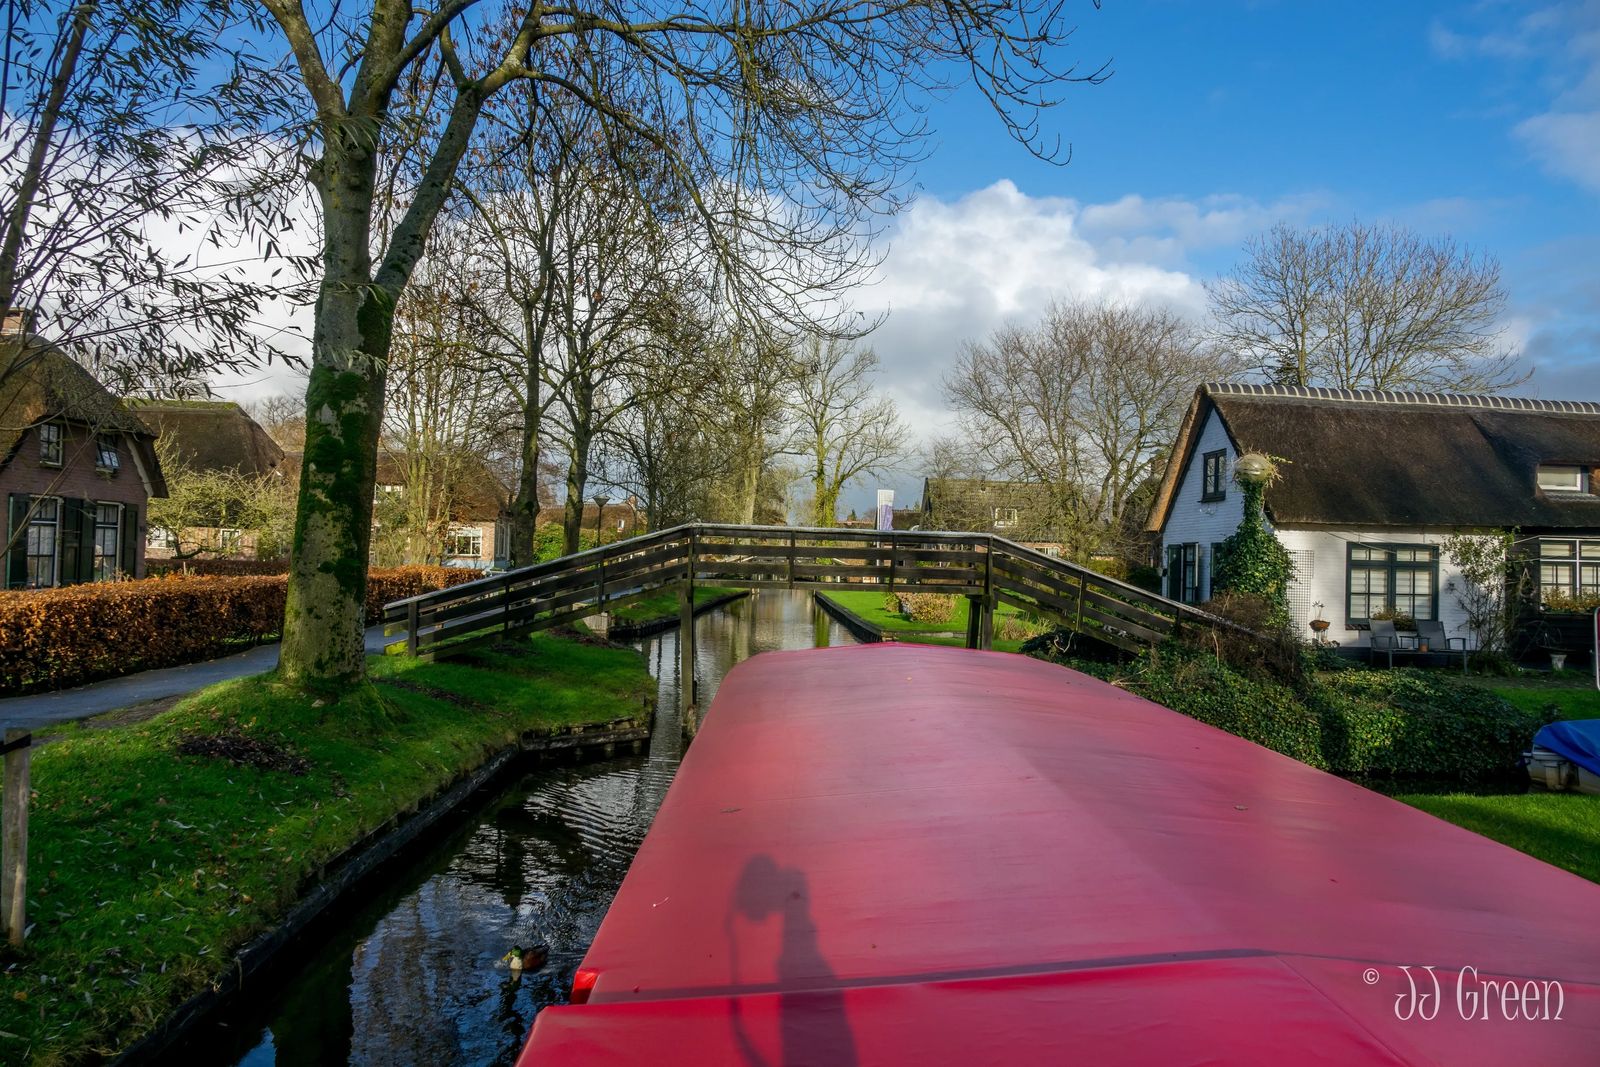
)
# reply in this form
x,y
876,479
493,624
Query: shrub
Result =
x,y
1018,627
160,568
1394,723
1264,648
1252,560
921,607
1566,602
56,638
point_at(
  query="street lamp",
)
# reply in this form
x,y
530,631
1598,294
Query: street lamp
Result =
x,y
600,502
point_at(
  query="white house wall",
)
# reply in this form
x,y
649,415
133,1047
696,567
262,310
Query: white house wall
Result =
x,y
1328,551
1190,520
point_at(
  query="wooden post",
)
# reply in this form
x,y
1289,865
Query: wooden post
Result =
x,y
14,835
973,621
686,649
411,628
985,623
791,560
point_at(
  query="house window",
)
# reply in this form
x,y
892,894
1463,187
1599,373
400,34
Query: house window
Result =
x,y
1562,479
1568,568
1213,470
1005,518
106,458
50,444
229,540
1403,579
107,540
161,537
464,541
44,541
1185,578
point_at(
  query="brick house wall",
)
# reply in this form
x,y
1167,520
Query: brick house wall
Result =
x,y
79,485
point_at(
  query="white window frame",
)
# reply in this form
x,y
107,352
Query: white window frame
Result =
x,y
473,534
1562,478
115,556
161,537
1008,523
106,456
27,541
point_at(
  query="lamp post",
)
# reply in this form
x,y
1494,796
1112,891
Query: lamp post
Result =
x,y
600,502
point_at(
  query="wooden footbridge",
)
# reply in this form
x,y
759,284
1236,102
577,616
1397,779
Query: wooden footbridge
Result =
x,y
986,569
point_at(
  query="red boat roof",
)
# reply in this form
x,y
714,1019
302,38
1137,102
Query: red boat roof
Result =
x,y
888,854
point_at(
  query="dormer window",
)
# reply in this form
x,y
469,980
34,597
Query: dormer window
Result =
x,y
1562,479
106,458
50,444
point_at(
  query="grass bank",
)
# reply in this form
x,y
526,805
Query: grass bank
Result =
x,y
872,606
1560,828
664,605
158,849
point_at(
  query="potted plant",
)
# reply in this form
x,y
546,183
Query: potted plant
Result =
x,y
1319,625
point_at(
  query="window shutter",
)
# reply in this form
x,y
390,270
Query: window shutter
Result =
x,y
77,542
129,541
17,558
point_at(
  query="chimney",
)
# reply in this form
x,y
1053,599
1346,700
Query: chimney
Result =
x,y
17,322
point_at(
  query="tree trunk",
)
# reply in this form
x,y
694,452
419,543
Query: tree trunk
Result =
x,y
525,506
578,468
323,641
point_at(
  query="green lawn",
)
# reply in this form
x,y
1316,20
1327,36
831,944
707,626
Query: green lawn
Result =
x,y
1560,828
665,604
149,868
869,605
1571,693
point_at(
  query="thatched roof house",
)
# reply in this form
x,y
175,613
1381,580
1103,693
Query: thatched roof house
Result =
x,y
76,466
1372,483
1018,510
211,435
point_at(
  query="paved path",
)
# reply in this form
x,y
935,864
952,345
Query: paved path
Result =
x,y
64,705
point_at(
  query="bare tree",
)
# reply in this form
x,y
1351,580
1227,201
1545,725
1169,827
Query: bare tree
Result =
x,y
847,431
1367,307
126,130
787,129
1083,402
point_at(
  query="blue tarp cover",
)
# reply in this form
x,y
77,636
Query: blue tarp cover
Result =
x,y
1578,741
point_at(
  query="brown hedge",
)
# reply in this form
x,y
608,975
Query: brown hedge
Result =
x,y
160,568
57,638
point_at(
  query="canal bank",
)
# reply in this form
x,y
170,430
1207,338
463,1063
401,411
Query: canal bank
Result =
x,y
410,975
163,849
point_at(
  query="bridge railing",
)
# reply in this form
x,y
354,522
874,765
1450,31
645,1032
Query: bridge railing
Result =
x,y
987,568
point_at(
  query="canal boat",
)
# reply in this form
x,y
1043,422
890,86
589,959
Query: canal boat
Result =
x,y
901,854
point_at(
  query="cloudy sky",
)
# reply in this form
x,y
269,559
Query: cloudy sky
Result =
x,y
1481,121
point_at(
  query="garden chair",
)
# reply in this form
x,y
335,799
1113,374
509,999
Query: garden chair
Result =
x,y
1386,640
1431,632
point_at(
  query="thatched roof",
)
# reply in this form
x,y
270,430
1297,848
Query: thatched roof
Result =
x,y
40,383
211,435
1369,458
477,494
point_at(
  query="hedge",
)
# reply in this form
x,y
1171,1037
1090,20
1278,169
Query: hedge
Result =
x,y
1390,724
160,568
57,638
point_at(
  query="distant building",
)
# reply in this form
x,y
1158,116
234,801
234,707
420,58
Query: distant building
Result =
x,y
479,531
77,468
209,436
1018,511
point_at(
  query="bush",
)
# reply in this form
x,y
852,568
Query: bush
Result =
x,y
1395,723
161,568
1265,648
56,638
921,607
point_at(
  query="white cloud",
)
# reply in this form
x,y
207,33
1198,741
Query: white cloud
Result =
x,y
1566,143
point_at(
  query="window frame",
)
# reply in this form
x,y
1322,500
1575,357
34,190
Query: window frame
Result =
x,y
1392,568
999,523
1213,481
55,542
1575,561
52,433
1186,582
458,534
1579,477
107,457
107,565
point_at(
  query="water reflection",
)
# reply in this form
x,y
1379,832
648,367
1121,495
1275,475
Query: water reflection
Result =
x,y
411,978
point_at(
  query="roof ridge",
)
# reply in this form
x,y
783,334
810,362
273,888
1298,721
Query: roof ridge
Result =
x,y
1412,397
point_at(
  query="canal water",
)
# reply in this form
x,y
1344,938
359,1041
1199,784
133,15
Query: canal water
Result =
x,y
410,978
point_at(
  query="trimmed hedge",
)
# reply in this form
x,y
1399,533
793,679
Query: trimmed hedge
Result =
x,y
160,568
57,638
1397,723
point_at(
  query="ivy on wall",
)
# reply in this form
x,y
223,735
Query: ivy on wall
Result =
x,y
1252,561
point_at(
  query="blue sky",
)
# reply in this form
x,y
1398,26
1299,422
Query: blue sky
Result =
x,y
1479,121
